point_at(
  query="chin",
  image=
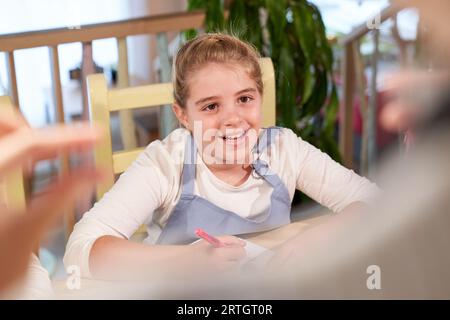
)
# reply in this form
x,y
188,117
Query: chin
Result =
x,y
233,156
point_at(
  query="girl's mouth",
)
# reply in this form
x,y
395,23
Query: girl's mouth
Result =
x,y
235,138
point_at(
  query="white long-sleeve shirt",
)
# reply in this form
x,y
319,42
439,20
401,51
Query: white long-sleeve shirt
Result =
x,y
34,285
150,188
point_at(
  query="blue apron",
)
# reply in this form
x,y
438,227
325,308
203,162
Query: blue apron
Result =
x,y
192,212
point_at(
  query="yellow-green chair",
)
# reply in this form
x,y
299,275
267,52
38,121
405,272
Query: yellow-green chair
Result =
x,y
103,101
12,191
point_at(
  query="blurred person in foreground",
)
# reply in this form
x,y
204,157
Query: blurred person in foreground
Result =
x,y
21,275
399,249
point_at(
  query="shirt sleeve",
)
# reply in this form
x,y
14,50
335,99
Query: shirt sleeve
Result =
x,y
139,191
37,283
328,182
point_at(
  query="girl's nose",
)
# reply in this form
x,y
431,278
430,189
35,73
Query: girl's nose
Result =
x,y
231,117
233,122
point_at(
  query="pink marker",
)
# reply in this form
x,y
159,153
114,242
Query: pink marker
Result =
x,y
212,240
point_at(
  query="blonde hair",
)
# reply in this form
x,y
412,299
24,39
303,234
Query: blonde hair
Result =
x,y
212,48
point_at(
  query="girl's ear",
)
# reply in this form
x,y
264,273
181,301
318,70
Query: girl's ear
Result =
x,y
181,114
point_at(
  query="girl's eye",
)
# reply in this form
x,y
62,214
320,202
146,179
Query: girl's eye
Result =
x,y
210,107
245,99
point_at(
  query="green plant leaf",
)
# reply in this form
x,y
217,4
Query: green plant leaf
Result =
x,y
324,49
286,82
304,28
330,146
277,16
237,21
319,95
190,34
308,85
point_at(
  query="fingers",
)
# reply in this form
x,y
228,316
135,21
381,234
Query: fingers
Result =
x,y
412,91
221,258
232,241
234,249
416,79
25,230
77,136
44,209
52,141
19,145
225,258
235,253
25,144
11,121
395,117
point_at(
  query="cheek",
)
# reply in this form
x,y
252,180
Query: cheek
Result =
x,y
197,119
202,127
254,114
205,125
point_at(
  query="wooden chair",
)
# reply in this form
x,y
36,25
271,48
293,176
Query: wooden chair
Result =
x,y
12,191
103,101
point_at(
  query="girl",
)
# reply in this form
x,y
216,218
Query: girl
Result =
x,y
221,172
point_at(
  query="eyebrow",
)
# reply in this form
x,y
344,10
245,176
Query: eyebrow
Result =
x,y
245,90
203,100
206,99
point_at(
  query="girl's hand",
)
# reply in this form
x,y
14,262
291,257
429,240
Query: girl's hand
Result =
x,y
212,259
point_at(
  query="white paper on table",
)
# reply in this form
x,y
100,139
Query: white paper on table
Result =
x,y
257,257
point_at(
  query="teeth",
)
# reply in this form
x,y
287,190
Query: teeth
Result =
x,y
235,136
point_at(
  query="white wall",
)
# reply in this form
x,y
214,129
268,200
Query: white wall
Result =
x,y
142,49
32,65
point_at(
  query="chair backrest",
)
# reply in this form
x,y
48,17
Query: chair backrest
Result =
x,y
103,101
12,191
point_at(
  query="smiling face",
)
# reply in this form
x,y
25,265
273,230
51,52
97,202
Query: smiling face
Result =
x,y
223,112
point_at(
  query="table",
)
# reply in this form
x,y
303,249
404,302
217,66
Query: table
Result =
x,y
272,238
267,239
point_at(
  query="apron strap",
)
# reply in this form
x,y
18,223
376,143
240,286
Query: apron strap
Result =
x,y
189,166
260,166
265,140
